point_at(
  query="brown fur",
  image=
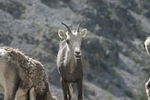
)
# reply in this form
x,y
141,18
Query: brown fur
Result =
x,y
27,73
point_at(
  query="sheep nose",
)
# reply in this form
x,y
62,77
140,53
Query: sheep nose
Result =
x,y
77,52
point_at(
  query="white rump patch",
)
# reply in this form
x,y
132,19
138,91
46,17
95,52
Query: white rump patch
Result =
x,y
2,52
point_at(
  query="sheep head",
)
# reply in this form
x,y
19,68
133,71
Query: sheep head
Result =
x,y
73,39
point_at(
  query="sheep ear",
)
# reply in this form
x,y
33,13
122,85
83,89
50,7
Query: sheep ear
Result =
x,y
83,32
62,34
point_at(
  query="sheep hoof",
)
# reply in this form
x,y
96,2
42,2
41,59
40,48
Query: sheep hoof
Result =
x,y
54,98
65,99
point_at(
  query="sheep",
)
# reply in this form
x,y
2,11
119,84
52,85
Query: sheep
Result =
x,y
147,86
70,61
147,45
22,77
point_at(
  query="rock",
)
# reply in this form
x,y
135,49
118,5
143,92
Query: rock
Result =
x,y
115,62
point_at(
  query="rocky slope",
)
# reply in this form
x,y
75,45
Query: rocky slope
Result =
x,y
116,64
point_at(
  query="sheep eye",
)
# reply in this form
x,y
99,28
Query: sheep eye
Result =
x,y
68,41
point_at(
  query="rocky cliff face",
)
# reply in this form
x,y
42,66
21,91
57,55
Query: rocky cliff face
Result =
x,y
116,64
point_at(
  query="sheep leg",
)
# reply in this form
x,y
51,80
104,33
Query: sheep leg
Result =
x,y
64,88
24,97
1,89
11,86
32,94
69,89
79,88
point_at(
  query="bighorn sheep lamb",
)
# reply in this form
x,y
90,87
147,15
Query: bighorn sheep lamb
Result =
x,y
70,60
147,47
22,77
